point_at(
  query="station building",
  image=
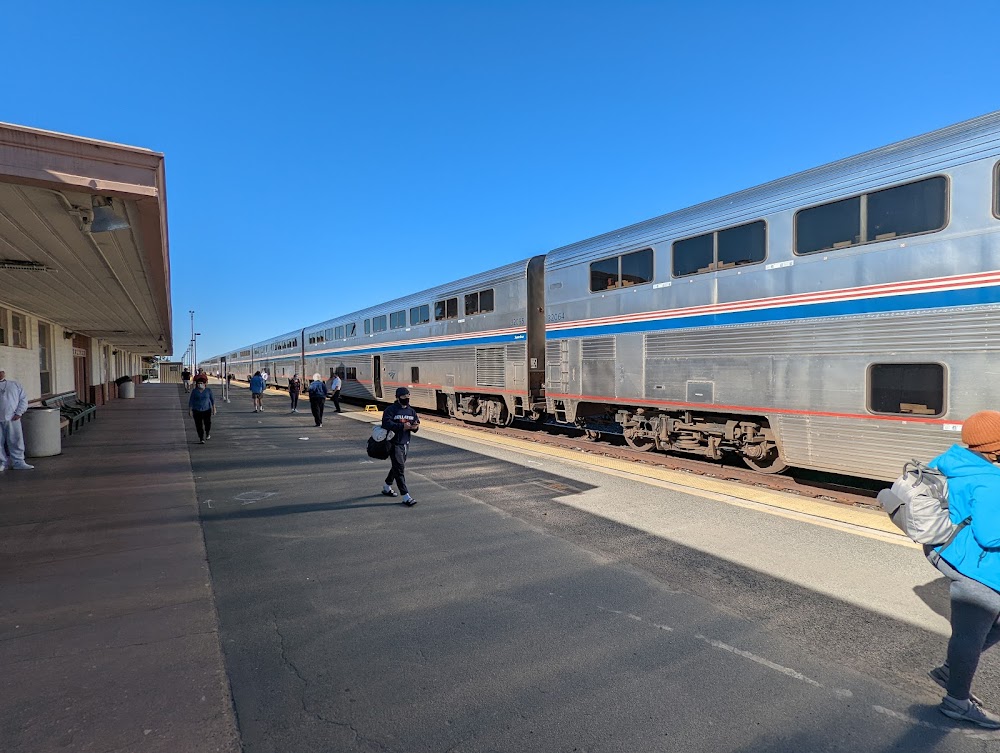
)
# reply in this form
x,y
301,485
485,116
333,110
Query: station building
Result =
x,y
84,263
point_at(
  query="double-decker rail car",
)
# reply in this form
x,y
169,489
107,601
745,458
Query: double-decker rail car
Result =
x,y
240,362
280,356
474,347
845,319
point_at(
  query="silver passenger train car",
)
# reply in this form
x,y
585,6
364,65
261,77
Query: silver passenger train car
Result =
x,y
473,348
844,319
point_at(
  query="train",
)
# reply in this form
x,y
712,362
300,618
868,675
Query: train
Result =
x,y
843,319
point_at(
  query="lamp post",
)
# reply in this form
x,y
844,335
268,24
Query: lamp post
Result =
x,y
191,342
194,341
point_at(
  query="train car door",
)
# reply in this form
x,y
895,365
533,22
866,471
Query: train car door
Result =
x,y
377,375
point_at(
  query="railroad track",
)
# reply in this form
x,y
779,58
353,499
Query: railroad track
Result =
x,y
845,490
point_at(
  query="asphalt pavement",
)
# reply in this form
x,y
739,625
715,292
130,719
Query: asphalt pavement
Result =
x,y
497,616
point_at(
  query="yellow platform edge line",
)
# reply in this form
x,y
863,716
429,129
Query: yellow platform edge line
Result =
x,y
873,520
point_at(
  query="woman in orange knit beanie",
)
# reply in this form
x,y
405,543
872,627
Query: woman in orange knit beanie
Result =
x,y
972,563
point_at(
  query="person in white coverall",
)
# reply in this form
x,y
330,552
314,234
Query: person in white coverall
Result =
x,y
13,404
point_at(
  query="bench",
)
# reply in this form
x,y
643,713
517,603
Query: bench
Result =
x,y
74,412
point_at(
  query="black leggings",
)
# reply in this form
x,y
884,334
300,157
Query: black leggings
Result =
x,y
203,422
295,399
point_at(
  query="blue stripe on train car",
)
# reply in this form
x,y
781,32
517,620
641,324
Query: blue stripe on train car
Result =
x,y
858,307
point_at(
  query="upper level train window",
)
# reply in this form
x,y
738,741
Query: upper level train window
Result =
x,y
397,319
479,303
420,314
447,309
351,330
622,271
906,210
910,209
723,249
996,190
378,323
906,388
338,333
368,326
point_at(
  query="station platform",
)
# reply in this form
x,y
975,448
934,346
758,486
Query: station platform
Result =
x,y
108,635
535,599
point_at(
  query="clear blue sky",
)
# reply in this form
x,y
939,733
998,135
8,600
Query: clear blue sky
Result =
x,y
324,156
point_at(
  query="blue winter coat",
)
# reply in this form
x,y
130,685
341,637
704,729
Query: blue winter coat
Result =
x,y
973,489
257,385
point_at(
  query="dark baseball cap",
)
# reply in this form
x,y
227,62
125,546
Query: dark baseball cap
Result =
x,y
402,392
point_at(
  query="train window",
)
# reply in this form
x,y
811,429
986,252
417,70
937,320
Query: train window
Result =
x,y
479,303
378,323
829,226
414,373
996,190
744,244
328,335
694,255
397,319
420,314
906,210
447,309
906,388
352,329
604,275
637,267
368,326
352,373
486,301
338,332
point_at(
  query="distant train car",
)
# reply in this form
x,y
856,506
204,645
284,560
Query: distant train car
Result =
x,y
844,319
280,357
473,348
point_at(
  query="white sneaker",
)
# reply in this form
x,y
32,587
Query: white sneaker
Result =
x,y
967,711
3,467
20,465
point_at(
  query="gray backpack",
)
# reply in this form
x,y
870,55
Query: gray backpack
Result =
x,y
917,502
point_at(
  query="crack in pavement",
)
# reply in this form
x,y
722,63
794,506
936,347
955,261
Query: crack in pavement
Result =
x,y
358,737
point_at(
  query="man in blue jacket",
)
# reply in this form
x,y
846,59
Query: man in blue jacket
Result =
x,y
257,385
317,398
402,420
972,563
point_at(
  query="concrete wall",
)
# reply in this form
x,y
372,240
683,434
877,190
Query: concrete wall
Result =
x,y
21,364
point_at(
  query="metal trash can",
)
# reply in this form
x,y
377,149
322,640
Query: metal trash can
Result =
x,y
41,432
126,390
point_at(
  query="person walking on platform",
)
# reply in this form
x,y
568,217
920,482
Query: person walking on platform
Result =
x,y
186,378
201,377
13,404
201,405
335,385
317,398
294,388
257,385
402,420
264,376
972,563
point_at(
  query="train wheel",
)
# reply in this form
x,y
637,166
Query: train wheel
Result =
x,y
642,444
770,463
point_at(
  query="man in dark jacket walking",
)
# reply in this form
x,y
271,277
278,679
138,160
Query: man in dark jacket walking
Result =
x,y
400,419
317,398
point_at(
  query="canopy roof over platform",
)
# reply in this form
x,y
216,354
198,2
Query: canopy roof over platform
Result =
x,y
59,194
